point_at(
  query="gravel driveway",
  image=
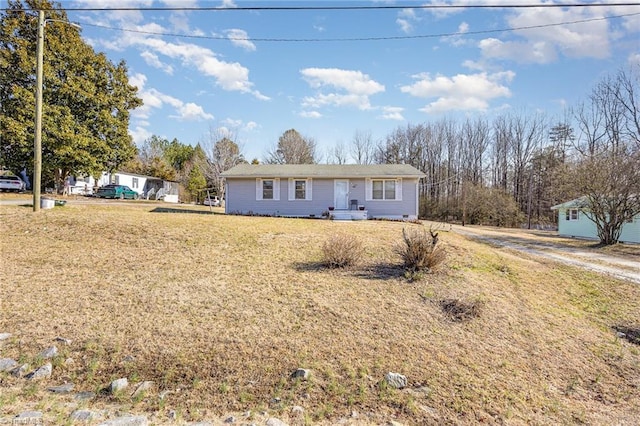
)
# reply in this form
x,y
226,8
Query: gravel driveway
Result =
x,y
552,247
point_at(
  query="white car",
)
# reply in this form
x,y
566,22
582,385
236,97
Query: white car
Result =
x,y
11,183
213,202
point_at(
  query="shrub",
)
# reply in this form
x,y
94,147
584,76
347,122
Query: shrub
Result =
x,y
420,251
341,251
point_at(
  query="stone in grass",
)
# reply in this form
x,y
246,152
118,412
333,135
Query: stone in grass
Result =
x,y
301,373
63,340
43,372
275,422
119,384
27,416
85,396
4,336
396,380
50,352
84,416
142,387
20,371
127,421
7,364
66,388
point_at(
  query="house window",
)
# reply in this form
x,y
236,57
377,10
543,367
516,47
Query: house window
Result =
x,y
572,214
267,190
299,189
383,189
134,183
300,186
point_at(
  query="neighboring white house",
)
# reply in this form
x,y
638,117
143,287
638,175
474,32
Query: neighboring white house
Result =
x,y
146,186
307,190
573,222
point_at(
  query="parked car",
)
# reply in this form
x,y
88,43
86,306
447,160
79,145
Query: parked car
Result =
x,y
11,183
117,191
213,201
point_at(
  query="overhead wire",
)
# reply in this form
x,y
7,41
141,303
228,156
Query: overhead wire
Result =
x,y
348,39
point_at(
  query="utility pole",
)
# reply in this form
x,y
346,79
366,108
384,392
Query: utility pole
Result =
x,y
37,145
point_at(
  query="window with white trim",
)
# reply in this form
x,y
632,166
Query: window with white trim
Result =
x,y
384,189
134,182
267,189
299,189
571,214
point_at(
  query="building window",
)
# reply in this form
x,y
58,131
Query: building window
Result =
x,y
299,189
267,190
383,189
572,214
134,183
301,193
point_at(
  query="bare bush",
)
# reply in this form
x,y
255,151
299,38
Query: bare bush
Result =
x,y
341,250
420,251
459,310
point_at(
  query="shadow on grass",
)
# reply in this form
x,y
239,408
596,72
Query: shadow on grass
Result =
x,y
310,267
173,210
381,271
631,334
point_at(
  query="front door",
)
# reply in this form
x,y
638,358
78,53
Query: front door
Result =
x,y
341,194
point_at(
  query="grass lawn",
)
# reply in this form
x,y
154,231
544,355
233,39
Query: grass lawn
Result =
x,y
220,310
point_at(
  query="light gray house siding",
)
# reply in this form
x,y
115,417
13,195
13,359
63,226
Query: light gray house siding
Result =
x,y
244,185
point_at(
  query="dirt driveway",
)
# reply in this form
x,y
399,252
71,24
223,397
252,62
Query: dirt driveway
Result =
x,y
623,262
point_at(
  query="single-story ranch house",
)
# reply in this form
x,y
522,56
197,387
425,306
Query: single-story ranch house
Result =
x,y
350,191
573,222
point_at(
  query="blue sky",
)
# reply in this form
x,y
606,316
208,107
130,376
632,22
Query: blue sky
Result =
x,y
215,72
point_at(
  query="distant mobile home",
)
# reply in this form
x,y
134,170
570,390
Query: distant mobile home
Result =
x,y
573,222
310,190
148,187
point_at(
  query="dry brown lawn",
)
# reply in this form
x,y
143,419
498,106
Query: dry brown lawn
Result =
x,y
220,310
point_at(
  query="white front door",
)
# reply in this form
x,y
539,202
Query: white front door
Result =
x,y
341,194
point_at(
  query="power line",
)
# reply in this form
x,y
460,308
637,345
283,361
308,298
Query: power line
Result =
x,y
407,37
352,7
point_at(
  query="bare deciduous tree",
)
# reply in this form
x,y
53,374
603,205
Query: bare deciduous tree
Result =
x,y
293,148
608,170
362,148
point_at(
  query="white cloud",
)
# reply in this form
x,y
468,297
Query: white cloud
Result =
x,y
310,114
152,98
405,26
139,134
241,39
153,60
192,112
228,3
539,52
251,125
392,113
588,39
460,92
230,76
354,87
634,59
405,20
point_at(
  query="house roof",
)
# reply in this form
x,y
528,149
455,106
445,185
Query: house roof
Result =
x,y
572,204
323,171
